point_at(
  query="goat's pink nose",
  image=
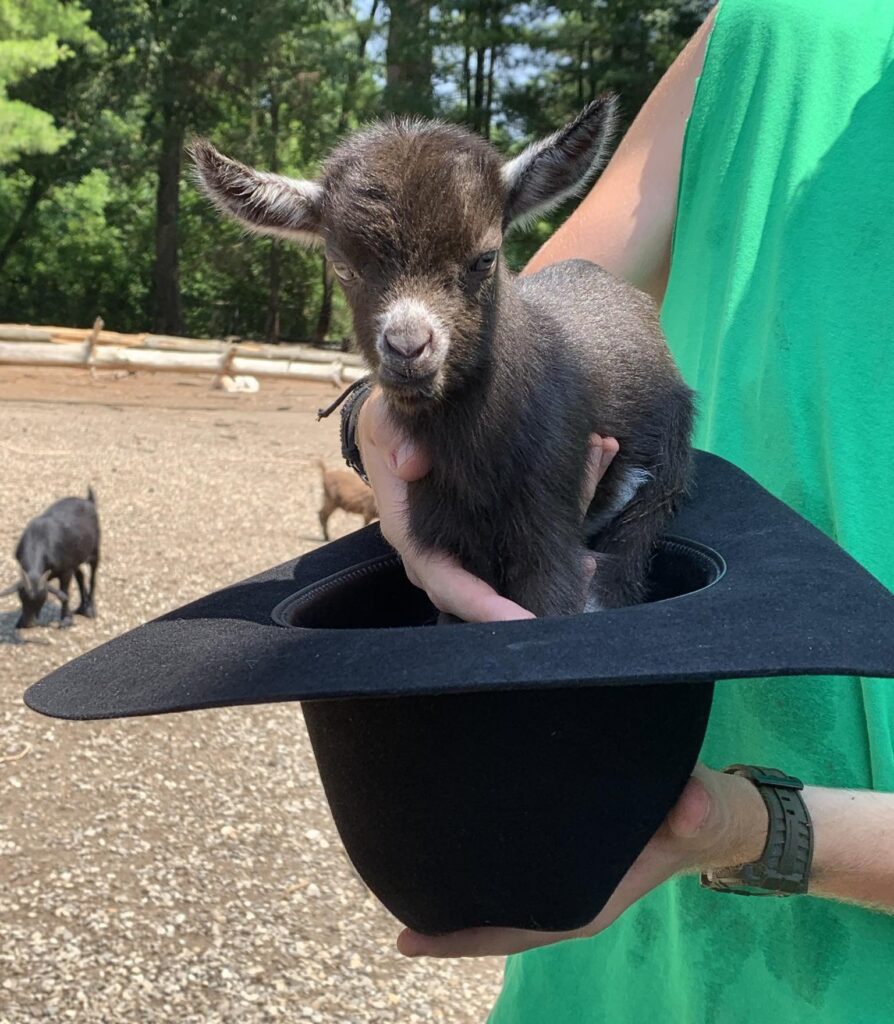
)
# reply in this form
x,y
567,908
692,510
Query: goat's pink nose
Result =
x,y
408,343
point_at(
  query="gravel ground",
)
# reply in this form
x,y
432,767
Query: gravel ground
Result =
x,y
182,868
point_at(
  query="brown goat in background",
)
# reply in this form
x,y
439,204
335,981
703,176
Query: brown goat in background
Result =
x,y
344,489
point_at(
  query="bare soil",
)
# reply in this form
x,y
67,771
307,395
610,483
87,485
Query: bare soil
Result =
x,y
182,868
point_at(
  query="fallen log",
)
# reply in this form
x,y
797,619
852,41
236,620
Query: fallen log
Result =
x,y
41,353
65,335
170,343
263,350
286,368
12,332
117,357
96,348
351,373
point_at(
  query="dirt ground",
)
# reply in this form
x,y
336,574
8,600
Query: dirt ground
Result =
x,y
182,868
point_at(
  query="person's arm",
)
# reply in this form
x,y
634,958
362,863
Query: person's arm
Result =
x,y
721,820
853,859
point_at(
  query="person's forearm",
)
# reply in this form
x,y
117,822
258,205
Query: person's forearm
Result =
x,y
853,838
853,857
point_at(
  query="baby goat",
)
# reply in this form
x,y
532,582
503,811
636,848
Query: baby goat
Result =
x,y
503,379
54,545
344,489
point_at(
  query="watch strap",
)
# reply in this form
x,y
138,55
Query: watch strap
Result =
x,y
350,401
783,868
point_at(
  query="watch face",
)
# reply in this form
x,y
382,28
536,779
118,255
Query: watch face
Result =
x,y
737,887
753,880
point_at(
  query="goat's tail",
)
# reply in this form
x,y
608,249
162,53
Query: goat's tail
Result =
x,y
322,466
91,494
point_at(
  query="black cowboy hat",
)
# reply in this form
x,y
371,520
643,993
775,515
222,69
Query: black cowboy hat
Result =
x,y
507,773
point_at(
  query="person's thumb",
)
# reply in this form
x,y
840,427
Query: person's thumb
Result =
x,y
408,461
719,819
692,811
405,459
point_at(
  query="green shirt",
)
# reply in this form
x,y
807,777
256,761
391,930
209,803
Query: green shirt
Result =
x,y
780,312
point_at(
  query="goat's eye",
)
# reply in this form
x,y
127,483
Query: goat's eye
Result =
x,y
343,271
485,262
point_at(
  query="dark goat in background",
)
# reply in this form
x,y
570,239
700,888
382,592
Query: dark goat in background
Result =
x,y
501,379
54,545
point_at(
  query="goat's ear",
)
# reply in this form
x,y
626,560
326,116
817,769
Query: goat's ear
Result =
x,y
269,204
551,170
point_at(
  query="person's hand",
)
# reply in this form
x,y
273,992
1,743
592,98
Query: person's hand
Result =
x,y
719,820
391,461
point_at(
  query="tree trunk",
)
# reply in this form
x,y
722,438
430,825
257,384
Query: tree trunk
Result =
x,y
167,312
467,82
325,317
349,96
591,75
273,293
489,98
408,59
348,103
478,99
580,65
273,265
36,192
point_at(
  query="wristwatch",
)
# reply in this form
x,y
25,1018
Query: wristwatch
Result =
x,y
784,867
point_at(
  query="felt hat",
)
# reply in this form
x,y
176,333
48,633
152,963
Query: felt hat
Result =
x,y
504,773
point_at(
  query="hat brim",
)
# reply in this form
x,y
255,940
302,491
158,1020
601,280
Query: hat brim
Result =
x,y
789,602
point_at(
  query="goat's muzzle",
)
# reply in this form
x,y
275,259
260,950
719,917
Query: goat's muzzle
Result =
x,y
409,344
412,345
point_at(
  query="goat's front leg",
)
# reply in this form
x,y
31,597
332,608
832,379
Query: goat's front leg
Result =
x,y
65,619
324,514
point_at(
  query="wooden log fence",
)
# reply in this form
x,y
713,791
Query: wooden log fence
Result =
x,y
95,348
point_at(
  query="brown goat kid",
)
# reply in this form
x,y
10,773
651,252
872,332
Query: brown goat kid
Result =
x,y
343,489
502,379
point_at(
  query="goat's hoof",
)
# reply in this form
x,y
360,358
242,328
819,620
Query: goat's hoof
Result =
x,y
88,611
66,623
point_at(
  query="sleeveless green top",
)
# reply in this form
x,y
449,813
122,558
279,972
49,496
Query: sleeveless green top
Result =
x,y
780,312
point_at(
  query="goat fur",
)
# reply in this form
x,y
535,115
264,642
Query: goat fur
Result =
x,y
501,378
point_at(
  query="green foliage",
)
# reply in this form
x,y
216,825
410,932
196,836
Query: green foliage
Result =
x,y
33,38
82,255
98,214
